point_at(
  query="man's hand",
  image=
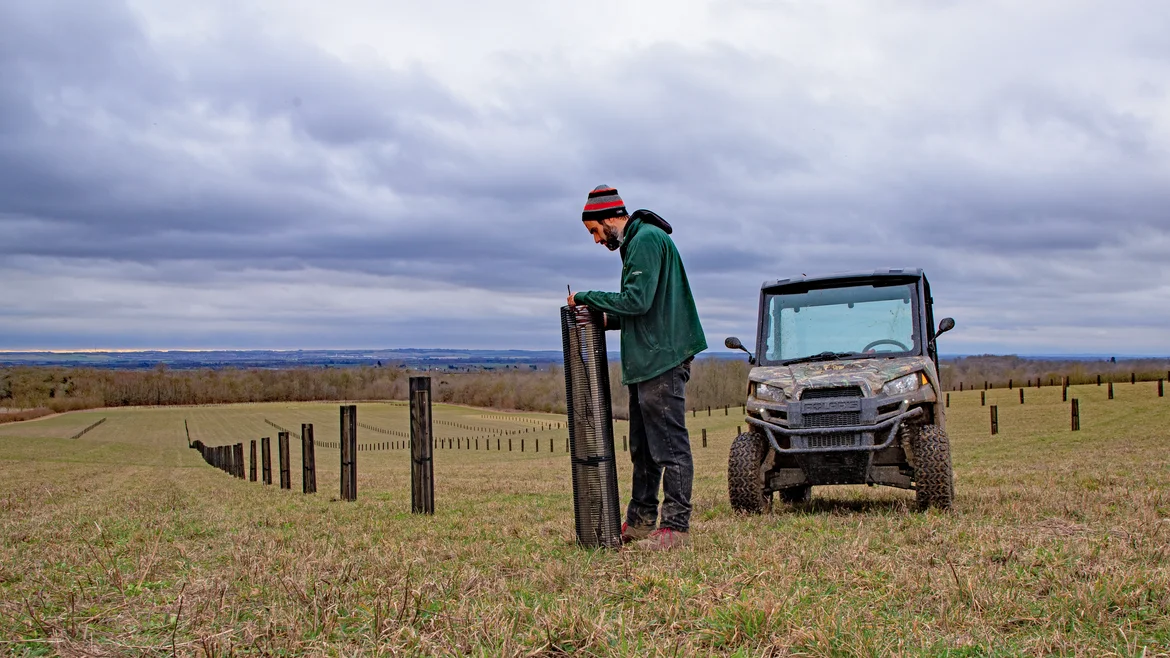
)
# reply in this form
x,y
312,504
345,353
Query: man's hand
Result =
x,y
571,302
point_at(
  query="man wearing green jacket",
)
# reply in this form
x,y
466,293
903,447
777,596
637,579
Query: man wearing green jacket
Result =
x,y
660,335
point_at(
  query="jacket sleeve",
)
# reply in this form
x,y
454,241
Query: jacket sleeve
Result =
x,y
640,275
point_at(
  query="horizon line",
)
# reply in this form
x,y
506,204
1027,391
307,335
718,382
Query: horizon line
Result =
x,y
484,349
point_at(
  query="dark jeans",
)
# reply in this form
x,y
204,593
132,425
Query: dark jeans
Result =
x,y
661,450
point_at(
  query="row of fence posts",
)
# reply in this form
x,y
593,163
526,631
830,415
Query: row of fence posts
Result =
x,y
1075,410
726,407
1064,382
231,458
422,444
1063,393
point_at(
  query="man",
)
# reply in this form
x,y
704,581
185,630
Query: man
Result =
x,y
660,335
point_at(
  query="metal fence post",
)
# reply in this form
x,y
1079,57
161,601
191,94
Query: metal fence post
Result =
x,y
266,459
348,442
285,469
422,474
308,460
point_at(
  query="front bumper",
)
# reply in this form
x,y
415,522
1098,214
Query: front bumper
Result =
x,y
868,437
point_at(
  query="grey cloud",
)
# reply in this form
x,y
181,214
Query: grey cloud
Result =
x,y
246,153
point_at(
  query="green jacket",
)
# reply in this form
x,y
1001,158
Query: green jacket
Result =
x,y
655,309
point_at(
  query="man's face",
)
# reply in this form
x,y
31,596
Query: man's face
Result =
x,y
605,233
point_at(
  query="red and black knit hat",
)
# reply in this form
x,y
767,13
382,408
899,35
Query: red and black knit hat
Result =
x,y
603,204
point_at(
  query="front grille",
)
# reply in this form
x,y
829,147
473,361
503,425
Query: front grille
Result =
x,y
835,392
835,419
833,440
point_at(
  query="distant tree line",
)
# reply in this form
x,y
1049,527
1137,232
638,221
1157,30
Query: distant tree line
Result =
x,y
972,371
714,383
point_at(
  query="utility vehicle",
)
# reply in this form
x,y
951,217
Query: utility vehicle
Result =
x,y
844,389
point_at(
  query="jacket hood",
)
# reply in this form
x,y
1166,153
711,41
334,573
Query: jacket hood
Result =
x,y
650,217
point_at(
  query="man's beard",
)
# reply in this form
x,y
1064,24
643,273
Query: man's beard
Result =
x,y
613,238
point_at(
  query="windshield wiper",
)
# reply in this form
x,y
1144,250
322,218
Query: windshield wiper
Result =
x,y
823,356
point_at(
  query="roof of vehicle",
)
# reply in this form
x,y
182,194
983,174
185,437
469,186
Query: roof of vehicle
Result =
x,y
901,272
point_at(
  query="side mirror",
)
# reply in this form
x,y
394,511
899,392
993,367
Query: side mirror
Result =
x,y
943,326
733,343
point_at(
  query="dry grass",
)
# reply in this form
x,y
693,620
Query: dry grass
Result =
x,y
125,542
18,415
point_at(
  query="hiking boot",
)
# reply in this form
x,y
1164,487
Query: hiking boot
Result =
x,y
634,533
663,539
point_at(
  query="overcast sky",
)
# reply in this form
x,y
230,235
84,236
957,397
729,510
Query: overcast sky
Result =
x,y
302,174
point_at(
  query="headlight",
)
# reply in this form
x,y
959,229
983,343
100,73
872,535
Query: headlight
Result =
x,y
902,385
769,393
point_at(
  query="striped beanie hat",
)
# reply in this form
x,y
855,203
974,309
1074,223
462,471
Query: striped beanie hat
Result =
x,y
603,204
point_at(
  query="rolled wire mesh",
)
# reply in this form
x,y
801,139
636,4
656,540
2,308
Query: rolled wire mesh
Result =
x,y
595,492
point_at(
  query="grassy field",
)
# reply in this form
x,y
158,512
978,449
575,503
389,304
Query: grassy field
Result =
x,y
125,542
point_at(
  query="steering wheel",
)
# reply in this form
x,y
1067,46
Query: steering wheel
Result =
x,y
885,341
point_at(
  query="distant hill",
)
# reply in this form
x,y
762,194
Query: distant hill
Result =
x,y
413,358
186,360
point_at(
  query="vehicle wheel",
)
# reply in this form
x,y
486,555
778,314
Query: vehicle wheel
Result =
x,y
745,475
933,479
796,495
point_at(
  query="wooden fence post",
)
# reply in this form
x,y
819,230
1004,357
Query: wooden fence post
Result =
x,y
983,398
623,443
1076,415
1021,396
422,473
266,460
1098,380
285,469
1010,384
704,437
240,460
308,460
994,419
252,463
948,400
1159,387
1110,390
1132,378
348,442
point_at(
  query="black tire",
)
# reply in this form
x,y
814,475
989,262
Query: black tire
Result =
x,y
934,481
745,476
797,495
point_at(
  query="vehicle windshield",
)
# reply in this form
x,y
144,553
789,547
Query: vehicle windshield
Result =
x,y
862,320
